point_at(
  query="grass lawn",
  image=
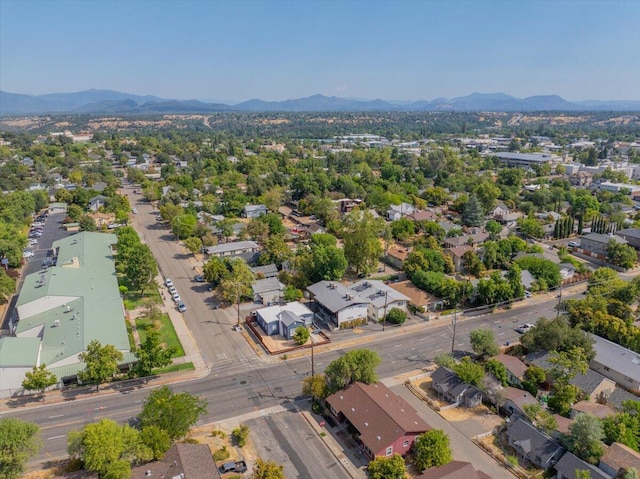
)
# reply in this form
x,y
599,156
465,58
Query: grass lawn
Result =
x,y
134,299
168,335
175,368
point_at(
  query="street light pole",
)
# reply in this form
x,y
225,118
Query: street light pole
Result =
x,y
455,321
386,302
313,369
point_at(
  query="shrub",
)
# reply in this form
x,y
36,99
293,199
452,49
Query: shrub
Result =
x,y
396,316
240,435
221,454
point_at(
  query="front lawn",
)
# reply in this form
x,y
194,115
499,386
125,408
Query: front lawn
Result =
x,y
168,335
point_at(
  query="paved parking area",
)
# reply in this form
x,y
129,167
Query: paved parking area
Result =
x,y
288,439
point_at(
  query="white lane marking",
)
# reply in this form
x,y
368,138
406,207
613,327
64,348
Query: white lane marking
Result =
x,y
57,415
54,437
439,349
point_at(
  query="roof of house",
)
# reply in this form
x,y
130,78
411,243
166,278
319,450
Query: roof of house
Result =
x,y
254,208
620,456
76,301
261,286
447,381
527,279
630,232
423,215
593,408
513,364
378,292
416,295
518,397
602,238
615,357
453,470
562,423
618,396
266,270
19,352
589,381
531,440
185,461
222,248
335,296
379,415
569,464
272,314
466,239
397,251
458,251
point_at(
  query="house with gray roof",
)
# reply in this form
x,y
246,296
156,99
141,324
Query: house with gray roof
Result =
x,y
516,399
268,290
254,211
64,308
595,244
338,303
266,271
395,212
533,445
383,298
234,248
182,461
631,236
453,389
97,202
617,363
569,464
284,319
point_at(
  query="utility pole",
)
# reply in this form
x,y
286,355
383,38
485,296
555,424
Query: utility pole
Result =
x,y
384,318
559,301
454,322
313,369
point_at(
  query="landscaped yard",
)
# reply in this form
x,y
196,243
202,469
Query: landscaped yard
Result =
x,y
134,299
168,335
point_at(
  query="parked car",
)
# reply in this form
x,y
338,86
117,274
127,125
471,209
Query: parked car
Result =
x,y
237,466
176,297
199,278
33,242
182,307
524,328
573,244
135,211
528,294
48,262
172,290
27,254
168,282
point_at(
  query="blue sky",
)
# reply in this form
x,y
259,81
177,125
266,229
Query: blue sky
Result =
x,y
277,50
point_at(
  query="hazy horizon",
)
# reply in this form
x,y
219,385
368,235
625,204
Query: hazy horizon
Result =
x,y
237,51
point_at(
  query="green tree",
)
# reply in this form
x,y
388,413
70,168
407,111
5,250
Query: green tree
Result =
x,y
215,270
623,428
301,335
530,227
472,214
396,316
585,438
557,335
493,228
7,286
291,293
357,365
541,418
498,370
483,342
39,379
472,263
403,229
19,441
566,364
152,354
108,448
241,434
237,285
86,223
563,397
445,359
140,267
387,467
172,412
468,371
275,251
157,440
315,386
622,255
267,470
362,246
193,244
431,449
101,363
582,474
322,262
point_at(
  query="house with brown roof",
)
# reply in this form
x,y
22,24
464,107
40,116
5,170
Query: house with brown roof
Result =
x,y
185,461
619,457
453,470
417,297
515,368
456,254
587,407
516,399
102,219
473,240
423,215
397,254
383,423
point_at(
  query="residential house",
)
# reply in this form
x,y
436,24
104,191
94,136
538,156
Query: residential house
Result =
x,y
595,244
102,219
235,248
594,385
417,297
254,211
397,254
184,461
619,457
588,407
395,212
423,215
57,208
456,255
533,445
338,303
266,271
516,369
61,310
383,423
453,470
527,279
474,240
346,205
453,389
567,271
504,215
515,400
382,298
569,464
581,178
617,363
619,187
97,202
631,236
284,319
268,290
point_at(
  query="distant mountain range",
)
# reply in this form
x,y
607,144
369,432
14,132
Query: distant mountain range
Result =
x,y
114,102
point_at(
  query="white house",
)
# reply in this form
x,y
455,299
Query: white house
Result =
x,y
284,319
338,303
382,297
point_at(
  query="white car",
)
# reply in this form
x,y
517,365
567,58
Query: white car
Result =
x,y
168,283
573,244
172,290
135,211
33,242
524,328
177,298
27,254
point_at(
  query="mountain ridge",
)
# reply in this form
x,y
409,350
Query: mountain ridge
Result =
x,y
95,101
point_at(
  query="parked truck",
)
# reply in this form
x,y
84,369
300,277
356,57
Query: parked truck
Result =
x,y
237,466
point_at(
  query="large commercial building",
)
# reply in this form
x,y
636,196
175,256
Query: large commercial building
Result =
x,y
526,159
60,310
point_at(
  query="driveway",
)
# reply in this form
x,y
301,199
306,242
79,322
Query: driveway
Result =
x,y
464,449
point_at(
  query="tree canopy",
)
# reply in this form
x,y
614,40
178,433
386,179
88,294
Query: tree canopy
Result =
x,y
172,412
357,365
19,441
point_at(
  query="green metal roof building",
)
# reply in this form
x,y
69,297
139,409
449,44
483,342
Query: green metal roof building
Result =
x,y
64,308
